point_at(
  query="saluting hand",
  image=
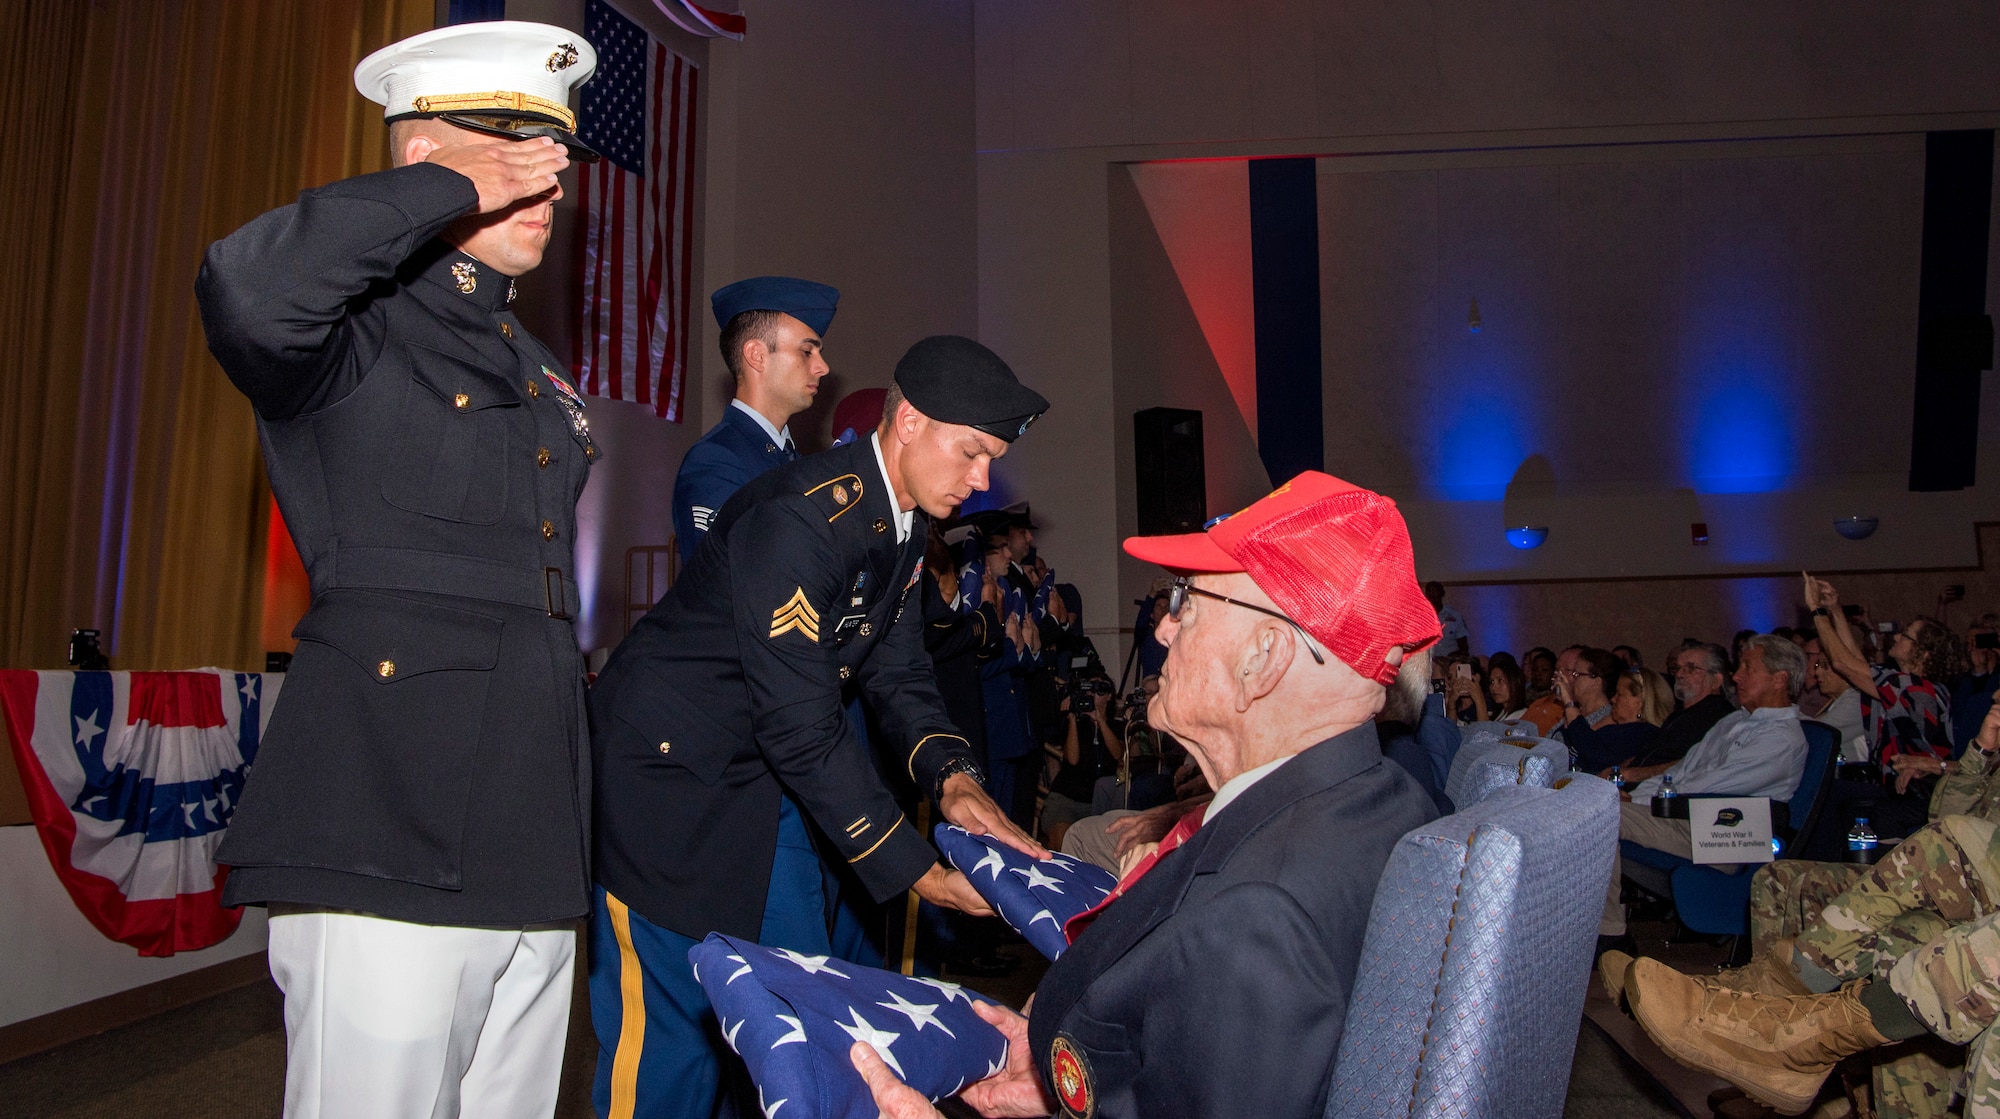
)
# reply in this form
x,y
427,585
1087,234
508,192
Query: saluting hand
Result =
x,y
964,803
505,171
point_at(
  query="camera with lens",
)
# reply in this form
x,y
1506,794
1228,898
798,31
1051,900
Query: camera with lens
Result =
x,y
1083,691
84,653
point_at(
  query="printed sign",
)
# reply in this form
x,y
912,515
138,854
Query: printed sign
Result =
x,y
1730,829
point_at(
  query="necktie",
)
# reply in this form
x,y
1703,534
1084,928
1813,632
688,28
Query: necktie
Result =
x,y
1181,833
791,452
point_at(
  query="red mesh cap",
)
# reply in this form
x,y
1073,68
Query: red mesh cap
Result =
x,y
1334,557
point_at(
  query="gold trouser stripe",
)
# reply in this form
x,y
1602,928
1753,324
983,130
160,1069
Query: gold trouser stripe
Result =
x,y
910,913
632,1006
879,842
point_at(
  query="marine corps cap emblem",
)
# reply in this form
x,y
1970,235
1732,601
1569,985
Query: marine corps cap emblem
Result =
x,y
840,495
563,58
466,277
1071,1074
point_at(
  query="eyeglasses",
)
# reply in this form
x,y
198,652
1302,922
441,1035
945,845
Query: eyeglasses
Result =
x,y
1177,596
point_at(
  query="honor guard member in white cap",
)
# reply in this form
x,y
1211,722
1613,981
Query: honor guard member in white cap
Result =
x,y
418,817
719,736
771,332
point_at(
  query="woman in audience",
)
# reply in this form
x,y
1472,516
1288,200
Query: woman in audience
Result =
x,y
1656,696
1504,694
1591,714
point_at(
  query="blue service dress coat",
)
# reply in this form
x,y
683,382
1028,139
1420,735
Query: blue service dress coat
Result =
x,y
731,686
428,760
728,455
1218,985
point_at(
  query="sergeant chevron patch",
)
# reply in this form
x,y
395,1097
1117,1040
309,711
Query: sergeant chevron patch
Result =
x,y
795,614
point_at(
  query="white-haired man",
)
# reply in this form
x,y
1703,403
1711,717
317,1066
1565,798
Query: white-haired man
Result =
x,y
1215,980
1756,751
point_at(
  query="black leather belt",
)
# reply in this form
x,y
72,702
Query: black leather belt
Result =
x,y
407,569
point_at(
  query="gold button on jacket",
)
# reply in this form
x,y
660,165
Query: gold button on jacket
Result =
x,y
548,530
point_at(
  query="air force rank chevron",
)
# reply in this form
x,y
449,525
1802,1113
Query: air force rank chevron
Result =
x,y
132,778
792,1019
1037,897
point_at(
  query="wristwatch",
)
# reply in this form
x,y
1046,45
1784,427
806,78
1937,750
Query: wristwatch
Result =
x,y
1822,612
955,766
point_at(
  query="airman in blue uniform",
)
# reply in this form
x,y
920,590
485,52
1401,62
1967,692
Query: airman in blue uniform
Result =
x,y
771,332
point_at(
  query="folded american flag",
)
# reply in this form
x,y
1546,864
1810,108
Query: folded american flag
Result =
x,y
1036,896
792,1018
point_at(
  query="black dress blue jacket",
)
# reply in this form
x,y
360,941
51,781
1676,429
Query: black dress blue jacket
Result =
x,y
731,686
428,758
1218,985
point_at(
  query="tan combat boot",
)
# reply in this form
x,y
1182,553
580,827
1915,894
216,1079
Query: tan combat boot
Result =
x,y
1779,1050
1611,969
1767,974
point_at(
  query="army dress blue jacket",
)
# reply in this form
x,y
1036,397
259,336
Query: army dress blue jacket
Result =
x,y
731,685
728,455
428,760
1218,985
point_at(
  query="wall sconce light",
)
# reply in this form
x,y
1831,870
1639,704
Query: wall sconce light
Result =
x,y
1527,536
1856,528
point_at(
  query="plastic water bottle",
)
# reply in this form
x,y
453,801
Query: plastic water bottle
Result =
x,y
1617,779
1777,848
1861,842
1667,787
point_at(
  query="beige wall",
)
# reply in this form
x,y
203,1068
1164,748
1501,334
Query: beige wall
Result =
x,y
1487,110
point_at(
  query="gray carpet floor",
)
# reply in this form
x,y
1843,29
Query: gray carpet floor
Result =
x,y
224,1058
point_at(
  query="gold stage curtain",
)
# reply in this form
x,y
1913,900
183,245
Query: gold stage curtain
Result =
x,y
131,486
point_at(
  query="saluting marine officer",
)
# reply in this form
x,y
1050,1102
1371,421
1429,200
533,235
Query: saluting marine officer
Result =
x,y
418,815
718,731
771,331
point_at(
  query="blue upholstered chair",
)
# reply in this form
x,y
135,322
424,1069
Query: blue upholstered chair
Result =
x,y
1477,958
1468,768
1715,902
1499,771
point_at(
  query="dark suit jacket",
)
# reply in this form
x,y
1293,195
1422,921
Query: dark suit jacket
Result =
x,y
1218,985
427,760
731,453
732,685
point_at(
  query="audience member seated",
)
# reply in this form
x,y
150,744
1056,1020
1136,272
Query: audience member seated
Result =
x,y
1795,949
1090,749
1758,751
1547,712
1699,676
1584,690
1841,705
1425,750
1972,693
1905,715
1658,703
1625,732
1215,982
1539,666
1504,695
1109,839
1630,656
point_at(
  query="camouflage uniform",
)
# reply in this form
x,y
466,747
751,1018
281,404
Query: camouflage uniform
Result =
x,y
1913,1080
1952,985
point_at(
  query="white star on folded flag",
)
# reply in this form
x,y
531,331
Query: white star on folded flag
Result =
x,y
920,1015
1036,897
794,1018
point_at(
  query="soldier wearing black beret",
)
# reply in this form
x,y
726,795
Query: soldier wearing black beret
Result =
x,y
718,732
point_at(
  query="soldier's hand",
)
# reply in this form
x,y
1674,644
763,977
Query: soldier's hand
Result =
x,y
505,171
893,1098
952,890
964,803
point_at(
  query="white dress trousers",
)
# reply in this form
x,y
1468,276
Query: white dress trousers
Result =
x,y
391,1020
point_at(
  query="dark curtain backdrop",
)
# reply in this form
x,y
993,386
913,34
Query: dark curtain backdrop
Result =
x,y
132,495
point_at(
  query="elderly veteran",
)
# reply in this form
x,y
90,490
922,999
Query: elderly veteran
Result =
x,y
1216,980
718,732
417,819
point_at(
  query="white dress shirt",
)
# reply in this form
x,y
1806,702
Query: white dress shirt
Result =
x,y
904,517
1238,785
1759,753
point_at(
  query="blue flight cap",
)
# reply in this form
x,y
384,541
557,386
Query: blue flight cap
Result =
x,y
810,303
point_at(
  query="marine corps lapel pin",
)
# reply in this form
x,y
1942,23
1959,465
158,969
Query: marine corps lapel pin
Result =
x,y
1070,1071
466,277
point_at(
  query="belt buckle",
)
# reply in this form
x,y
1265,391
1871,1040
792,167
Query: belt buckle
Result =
x,y
554,597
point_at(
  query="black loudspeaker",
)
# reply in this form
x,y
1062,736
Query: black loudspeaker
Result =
x,y
1173,484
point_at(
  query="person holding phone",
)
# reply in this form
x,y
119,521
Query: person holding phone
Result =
x,y
1972,693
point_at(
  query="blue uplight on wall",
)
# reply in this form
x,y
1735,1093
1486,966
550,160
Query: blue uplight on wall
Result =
x,y
1481,442
1741,393
1742,439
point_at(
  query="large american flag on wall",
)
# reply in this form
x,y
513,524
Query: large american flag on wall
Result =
x,y
636,209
